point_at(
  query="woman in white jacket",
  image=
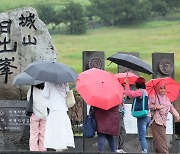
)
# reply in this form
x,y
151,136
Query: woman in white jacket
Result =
x,y
58,131
37,119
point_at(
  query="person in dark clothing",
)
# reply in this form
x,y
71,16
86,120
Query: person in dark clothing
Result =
x,y
107,123
122,131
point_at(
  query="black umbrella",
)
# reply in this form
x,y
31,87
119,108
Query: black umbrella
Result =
x,y
131,62
51,71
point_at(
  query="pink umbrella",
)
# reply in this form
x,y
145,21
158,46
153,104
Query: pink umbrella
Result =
x,y
172,87
99,88
131,77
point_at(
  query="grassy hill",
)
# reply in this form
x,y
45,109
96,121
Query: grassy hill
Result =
x,y
146,38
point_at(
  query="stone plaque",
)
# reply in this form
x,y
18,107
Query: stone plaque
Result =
x,y
166,66
163,65
93,59
12,116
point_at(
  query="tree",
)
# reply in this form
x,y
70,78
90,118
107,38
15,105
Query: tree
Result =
x,y
46,13
73,16
135,11
160,7
116,12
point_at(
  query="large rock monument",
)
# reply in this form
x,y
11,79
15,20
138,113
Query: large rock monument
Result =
x,y
23,38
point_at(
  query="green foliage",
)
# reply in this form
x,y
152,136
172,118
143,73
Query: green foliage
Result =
x,y
160,7
73,16
46,13
119,12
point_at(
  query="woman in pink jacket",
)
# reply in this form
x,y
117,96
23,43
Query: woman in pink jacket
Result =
x,y
143,122
160,106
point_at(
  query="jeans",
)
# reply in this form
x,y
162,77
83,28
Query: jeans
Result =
x,y
101,142
142,124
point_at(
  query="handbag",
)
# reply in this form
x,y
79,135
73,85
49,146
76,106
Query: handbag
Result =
x,y
89,126
140,106
70,100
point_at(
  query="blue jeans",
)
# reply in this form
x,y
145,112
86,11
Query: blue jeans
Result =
x,y
101,142
142,124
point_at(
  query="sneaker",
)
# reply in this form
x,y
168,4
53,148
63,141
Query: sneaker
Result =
x,y
120,151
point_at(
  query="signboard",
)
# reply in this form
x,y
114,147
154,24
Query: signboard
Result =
x,y
12,115
130,122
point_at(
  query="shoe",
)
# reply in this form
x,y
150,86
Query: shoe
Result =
x,y
120,151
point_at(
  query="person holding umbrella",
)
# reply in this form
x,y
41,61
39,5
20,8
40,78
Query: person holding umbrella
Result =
x,y
122,130
143,122
107,125
58,131
38,118
102,91
160,106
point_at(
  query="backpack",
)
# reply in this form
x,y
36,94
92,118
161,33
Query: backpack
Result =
x,y
140,106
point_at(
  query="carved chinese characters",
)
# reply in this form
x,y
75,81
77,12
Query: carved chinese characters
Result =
x,y
23,38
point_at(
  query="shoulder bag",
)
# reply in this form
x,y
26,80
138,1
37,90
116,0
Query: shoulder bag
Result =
x,y
89,126
70,100
140,106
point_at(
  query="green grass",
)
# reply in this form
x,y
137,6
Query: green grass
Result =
x,y
145,38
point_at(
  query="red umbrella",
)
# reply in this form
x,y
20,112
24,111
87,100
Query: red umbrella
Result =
x,y
172,87
99,88
131,77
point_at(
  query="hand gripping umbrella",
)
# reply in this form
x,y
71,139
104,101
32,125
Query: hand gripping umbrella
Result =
x,y
51,71
99,88
131,62
131,77
172,87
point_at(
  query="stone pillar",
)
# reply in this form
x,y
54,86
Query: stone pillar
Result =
x,y
91,59
163,65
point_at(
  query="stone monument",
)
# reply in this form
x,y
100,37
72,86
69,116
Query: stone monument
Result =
x,y
24,38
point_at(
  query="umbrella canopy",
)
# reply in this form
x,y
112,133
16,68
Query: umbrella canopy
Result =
x,y
51,71
99,88
172,87
131,77
131,62
25,79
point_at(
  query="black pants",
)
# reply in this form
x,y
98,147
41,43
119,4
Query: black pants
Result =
x,y
122,132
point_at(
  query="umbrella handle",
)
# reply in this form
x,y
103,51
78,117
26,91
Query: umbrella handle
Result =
x,y
110,63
